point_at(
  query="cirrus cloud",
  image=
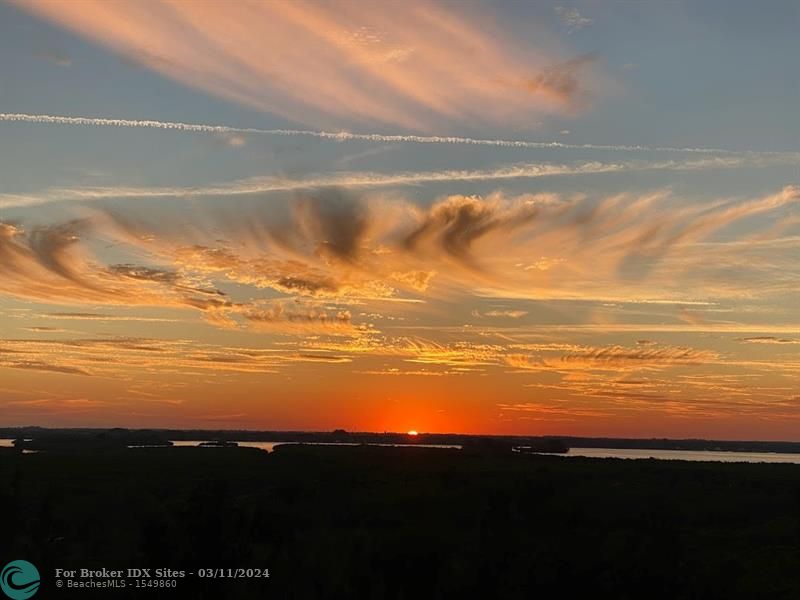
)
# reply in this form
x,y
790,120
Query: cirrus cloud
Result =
x,y
414,64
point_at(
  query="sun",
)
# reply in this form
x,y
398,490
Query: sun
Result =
x,y
412,432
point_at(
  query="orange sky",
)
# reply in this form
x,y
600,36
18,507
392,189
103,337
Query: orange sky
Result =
x,y
484,218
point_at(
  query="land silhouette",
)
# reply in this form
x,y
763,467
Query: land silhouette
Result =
x,y
367,521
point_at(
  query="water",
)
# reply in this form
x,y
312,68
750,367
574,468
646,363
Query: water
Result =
x,y
7,443
690,455
270,446
266,446
629,453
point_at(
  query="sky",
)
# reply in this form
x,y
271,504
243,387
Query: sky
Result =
x,y
500,217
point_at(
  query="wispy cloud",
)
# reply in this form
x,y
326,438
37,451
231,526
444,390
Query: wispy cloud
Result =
x,y
337,244
39,365
614,358
571,17
84,316
769,339
541,411
504,313
277,317
115,357
346,179
415,64
50,263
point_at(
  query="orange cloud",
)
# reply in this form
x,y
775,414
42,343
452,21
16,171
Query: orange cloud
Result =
x,y
51,264
118,357
507,314
413,64
768,339
614,358
301,319
348,249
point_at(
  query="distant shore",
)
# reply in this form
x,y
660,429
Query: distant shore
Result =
x,y
486,443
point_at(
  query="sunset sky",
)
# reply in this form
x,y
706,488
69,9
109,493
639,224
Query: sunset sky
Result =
x,y
499,217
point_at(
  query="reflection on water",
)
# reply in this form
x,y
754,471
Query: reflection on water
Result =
x,y
7,443
630,453
692,455
270,446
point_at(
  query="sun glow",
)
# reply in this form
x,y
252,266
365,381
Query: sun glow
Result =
x,y
412,432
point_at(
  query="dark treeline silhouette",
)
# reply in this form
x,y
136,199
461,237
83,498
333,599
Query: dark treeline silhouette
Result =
x,y
372,522
39,438
119,436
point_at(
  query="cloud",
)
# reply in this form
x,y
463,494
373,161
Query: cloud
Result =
x,y
768,339
336,245
234,140
424,66
131,358
620,355
82,316
463,356
572,19
458,222
304,274
696,223
395,372
37,365
50,247
119,357
540,411
504,314
561,81
614,358
319,183
300,319
324,358
49,263
415,280
460,354
338,220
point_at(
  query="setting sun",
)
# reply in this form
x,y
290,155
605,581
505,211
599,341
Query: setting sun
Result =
x,y
412,432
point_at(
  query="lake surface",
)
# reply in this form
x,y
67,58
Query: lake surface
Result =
x,y
6,443
9,443
629,453
269,446
692,455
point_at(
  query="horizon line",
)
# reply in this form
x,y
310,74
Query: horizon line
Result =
x,y
405,433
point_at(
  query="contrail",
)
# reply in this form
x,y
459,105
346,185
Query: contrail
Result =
x,y
191,127
274,183
368,137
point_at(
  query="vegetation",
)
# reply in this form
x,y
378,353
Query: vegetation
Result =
x,y
408,523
